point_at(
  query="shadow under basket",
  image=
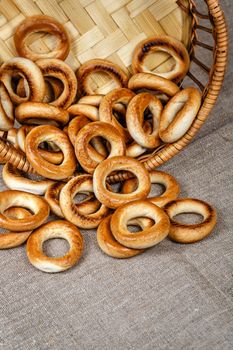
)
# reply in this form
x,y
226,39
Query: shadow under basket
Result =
x,y
111,29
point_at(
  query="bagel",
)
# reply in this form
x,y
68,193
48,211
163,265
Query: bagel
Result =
x,y
190,233
80,184
87,133
166,44
88,206
55,229
52,134
98,66
172,188
54,68
114,200
17,180
37,205
14,239
32,75
41,113
135,119
48,25
110,246
106,109
149,236
179,114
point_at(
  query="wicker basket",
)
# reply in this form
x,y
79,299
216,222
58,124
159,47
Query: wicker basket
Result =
x,y
112,28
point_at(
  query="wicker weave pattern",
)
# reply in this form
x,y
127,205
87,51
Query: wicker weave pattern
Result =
x,y
101,28
111,29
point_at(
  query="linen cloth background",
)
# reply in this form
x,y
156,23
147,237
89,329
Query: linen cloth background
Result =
x,y
172,297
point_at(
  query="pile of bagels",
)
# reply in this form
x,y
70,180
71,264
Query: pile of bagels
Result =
x,y
78,142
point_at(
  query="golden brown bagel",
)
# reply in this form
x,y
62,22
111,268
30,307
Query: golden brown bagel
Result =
x,y
55,229
146,238
80,184
178,115
115,200
110,246
88,206
135,119
54,68
106,109
6,109
52,134
165,44
96,148
55,157
30,72
48,25
88,111
17,180
154,83
37,205
172,188
98,66
14,239
190,233
97,129
41,113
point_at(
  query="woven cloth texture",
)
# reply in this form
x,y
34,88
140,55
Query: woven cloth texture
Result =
x,y
172,297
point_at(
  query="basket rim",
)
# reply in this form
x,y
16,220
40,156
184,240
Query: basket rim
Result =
x,y
213,87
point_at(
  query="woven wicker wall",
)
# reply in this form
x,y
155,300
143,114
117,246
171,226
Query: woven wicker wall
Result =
x,y
101,28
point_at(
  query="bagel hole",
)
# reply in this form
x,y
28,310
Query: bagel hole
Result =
x,y
101,82
56,85
116,187
55,159
101,145
49,43
134,228
81,197
159,62
156,190
55,247
20,85
189,218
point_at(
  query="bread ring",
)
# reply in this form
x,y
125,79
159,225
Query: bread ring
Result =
x,y
110,246
41,23
41,113
6,109
16,180
14,239
60,70
51,171
106,109
87,206
166,44
179,114
146,238
100,65
153,83
81,183
190,233
94,100
135,119
135,150
48,95
50,156
114,200
37,205
32,75
172,188
90,112
87,133
98,151
55,229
